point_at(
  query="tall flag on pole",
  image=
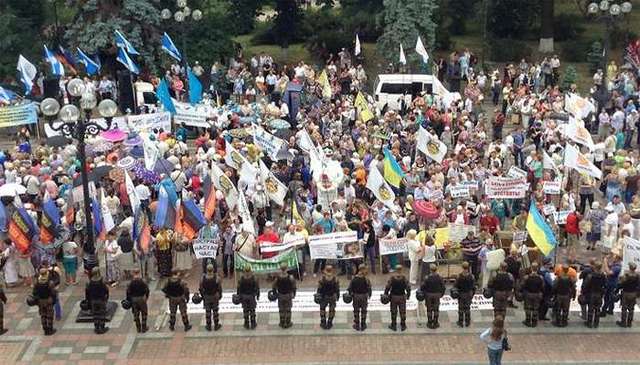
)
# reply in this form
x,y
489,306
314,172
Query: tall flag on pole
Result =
x,y
90,65
21,227
421,50
192,219
98,225
209,191
162,92
392,171
6,95
27,73
169,47
3,218
141,231
56,67
125,59
380,188
134,199
357,50
540,232
165,211
195,87
69,212
49,220
122,42
67,59
403,59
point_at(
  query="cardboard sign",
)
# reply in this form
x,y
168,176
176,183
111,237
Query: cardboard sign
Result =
x,y
392,246
517,172
519,236
551,187
459,191
205,249
506,188
560,217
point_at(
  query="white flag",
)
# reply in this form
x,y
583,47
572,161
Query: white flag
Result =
x,y
576,160
403,59
422,51
268,143
235,159
578,106
150,152
380,188
245,214
222,182
134,199
576,131
430,145
547,162
276,190
27,73
107,218
357,50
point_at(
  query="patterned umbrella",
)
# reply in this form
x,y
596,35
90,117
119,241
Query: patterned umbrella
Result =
x,y
99,145
278,124
114,135
126,163
426,209
117,175
147,177
132,141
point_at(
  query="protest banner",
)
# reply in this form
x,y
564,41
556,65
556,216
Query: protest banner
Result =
x,y
551,187
335,246
435,195
560,217
635,234
519,236
278,246
517,172
335,237
470,184
268,143
630,253
193,115
392,246
548,209
506,188
266,266
458,232
459,191
205,248
12,116
148,122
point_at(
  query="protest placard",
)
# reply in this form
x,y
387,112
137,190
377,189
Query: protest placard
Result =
x,y
560,217
517,172
549,209
551,187
265,266
392,246
459,191
279,246
458,232
631,253
506,188
205,248
519,236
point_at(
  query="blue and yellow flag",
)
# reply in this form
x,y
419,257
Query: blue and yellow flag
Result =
x,y
540,232
392,171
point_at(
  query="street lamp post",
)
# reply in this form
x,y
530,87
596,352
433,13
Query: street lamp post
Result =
x,y
180,16
76,123
609,12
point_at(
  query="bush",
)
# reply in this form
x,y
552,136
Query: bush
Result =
x,y
567,27
575,51
509,50
620,37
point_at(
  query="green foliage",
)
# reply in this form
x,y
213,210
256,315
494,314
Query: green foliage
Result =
x,y
96,21
507,50
576,50
363,17
443,36
403,21
332,39
20,26
512,18
567,27
216,46
570,76
287,22
458,12
594,56
243,13
621,36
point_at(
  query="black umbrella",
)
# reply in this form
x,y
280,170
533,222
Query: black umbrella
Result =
x,y
101,171
58,141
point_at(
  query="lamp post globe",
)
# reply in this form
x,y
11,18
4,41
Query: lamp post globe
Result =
x,y
49,107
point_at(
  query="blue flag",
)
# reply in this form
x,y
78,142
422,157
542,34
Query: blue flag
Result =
x,y
91,66
170,48
125,59
56,67
97,217
122,42
195,88
162,92
6,95
67,57
3,218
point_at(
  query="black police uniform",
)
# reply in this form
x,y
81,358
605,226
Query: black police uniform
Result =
x,y
97,293
360,289
465,283
502,286
630,284
329,290
285,286
211,292
249,292
178,293
138,294
399,289
594,289
532,289
564,289
45,295
433,289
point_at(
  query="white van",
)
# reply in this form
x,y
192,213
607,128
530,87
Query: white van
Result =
x,y
390,88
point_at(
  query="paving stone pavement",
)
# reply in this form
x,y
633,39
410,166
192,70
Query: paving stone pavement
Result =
x,y
304,343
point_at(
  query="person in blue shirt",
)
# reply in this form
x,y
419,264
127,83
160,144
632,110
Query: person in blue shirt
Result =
x,y
494,338
518,145
546,293
327,223
612,268
181,133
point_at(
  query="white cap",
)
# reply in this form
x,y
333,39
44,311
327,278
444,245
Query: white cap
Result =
x,y
268,224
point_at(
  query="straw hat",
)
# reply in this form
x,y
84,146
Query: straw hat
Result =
x,y
43,276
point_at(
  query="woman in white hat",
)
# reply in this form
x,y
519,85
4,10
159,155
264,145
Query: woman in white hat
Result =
x,y
595,218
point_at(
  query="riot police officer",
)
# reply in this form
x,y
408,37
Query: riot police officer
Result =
x,y
594,290
502,286
285,287
137,295
97,294
329,290
433,289
211,292
360,290
584,273
45,295
532,288
466,284
249,292
629,284
564,289
399,289
178,293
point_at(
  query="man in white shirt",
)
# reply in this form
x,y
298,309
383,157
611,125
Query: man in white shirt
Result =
x,y
179,179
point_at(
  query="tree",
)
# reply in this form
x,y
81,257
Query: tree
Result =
x,y
511,18
546,35
403,21
569,77
21,23
594,57
94,25
287,22
459,11
363,17
244,13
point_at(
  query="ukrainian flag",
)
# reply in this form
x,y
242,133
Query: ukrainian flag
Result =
x,y
392,171
540,231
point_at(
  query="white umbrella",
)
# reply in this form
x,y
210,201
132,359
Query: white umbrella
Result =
x,y
12,190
